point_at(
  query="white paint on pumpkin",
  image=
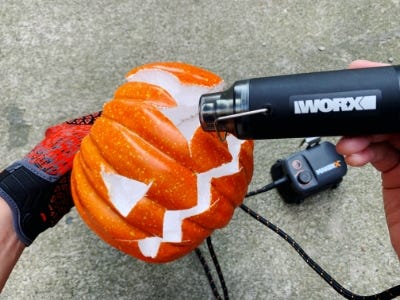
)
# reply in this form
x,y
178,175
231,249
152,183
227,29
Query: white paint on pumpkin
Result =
x,y
172,226
185,114
125,193
149,246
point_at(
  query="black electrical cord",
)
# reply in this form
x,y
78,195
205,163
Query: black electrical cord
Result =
x,y
267,187
217,268
387,294
208,271
213,255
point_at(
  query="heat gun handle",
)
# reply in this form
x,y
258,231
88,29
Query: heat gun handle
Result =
x,y
333,103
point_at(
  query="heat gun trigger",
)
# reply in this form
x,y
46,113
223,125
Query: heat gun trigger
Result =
x,y
222,137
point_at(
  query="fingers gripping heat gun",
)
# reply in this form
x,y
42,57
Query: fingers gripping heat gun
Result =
x,y
332,103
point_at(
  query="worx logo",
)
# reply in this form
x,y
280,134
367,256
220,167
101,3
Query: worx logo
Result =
x,y
326,105
329,167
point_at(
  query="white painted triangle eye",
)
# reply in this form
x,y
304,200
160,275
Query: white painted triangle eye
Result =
x,y
124,192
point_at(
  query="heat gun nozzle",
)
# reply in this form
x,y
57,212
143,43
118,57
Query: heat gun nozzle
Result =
x,y
211,107
215,108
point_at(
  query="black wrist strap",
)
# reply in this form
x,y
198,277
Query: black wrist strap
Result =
x,y
27,194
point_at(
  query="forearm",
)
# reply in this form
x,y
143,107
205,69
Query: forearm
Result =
x,y
37,189
11,247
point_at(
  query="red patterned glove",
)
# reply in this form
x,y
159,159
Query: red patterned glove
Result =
x,y
37,187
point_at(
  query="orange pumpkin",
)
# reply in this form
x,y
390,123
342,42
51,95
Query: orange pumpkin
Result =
x,y
148,180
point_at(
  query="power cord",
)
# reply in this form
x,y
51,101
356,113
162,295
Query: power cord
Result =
x,y
385,295
208,271
267,187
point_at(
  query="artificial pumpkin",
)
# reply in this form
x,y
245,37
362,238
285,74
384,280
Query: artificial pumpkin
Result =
x,y
148,180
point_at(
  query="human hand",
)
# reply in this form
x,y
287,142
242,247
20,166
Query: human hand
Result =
x,y
383,152
37,188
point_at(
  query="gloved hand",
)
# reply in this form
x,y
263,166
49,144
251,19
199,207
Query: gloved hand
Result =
x,y
37,187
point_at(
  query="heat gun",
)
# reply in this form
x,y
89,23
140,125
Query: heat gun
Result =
x,y
330,103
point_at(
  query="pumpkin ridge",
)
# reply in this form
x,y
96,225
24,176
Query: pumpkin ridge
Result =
x,y
246,153
154,145
159,151
191,221
85,167
81,208
230,199
135,91
186,73
148,102
139,135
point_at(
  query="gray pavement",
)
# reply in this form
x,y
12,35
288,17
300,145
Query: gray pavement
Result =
x,y
61,59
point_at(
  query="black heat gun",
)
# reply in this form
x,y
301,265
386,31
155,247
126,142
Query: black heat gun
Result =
x,y
331,103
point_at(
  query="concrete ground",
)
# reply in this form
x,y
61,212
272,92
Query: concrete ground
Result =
x,y
62,59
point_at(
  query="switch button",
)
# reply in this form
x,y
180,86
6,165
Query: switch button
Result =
x,y
304,177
